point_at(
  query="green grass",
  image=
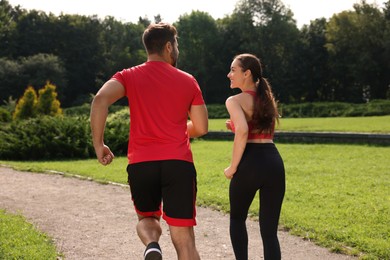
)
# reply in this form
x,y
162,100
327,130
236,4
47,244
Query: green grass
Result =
x,y
20,240
337,195
372,124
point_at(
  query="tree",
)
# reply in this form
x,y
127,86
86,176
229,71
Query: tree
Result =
x,y
386,43
48,104
36,70
35,33
358,54
275,42
199,42
30,71
8,22
26,106
10,78
79,46
122,46
312,64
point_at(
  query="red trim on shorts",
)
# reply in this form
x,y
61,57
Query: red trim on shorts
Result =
x,y
148,214
179,222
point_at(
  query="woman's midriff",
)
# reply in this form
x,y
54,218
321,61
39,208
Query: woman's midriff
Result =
x,y
260,141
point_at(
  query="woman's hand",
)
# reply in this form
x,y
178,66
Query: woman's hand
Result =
x,y
229,172
228,124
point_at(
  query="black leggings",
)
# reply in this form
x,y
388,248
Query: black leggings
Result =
x,y
261,168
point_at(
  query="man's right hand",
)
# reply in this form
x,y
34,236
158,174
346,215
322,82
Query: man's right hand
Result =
x,y
104,155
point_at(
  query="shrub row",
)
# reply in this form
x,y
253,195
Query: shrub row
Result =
x,y
46,138
69,136
309,109
319,109
335,109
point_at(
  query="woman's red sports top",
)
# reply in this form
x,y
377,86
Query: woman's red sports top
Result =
x,y
252,134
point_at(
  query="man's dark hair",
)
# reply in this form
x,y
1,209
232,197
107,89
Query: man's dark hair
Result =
x,y
157,35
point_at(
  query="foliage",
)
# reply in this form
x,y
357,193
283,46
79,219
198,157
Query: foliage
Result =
x,y
85,109
10,73
217,111
46,137
313,85
343,59
48,104
5,115
20,240
318,109
33,70
45,104
202,56
358,62
116,134
26,106
10,104
335,109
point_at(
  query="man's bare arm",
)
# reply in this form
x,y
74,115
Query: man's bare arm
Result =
x,y
199,123
108,94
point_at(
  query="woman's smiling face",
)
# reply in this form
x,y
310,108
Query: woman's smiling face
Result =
x,y
236,75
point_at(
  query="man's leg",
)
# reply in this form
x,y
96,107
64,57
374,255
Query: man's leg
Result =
x,y
149,229
183,239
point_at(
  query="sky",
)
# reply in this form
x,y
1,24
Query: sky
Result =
x,y
170,10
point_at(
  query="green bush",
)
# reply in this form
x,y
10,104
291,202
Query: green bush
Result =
x,y
32,105
116,134
48,104
82,110
5,115
318,109
217,111
46,138
335,109
314,109
85,109
26,106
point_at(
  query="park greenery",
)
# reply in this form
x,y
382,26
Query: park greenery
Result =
x,y
330,75
61,142
66,134
336,196
21,240
340,59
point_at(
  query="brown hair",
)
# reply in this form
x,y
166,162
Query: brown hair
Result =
x,y
265,110
157,35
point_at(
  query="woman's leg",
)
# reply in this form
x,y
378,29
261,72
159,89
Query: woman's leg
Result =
x,y
240,200
271,198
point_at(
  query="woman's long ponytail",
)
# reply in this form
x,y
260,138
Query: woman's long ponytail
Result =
x,y
265,112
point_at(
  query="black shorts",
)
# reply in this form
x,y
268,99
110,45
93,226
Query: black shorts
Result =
x,y
171,183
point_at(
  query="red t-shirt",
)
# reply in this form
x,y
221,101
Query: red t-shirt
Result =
x,y
160,97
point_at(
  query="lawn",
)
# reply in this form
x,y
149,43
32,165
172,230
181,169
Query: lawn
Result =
x,y
20,239
337,195
372,124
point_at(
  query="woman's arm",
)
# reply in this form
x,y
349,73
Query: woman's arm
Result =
x,y
241,134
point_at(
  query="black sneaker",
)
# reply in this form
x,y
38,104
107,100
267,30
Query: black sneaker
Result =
x,y
153,252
